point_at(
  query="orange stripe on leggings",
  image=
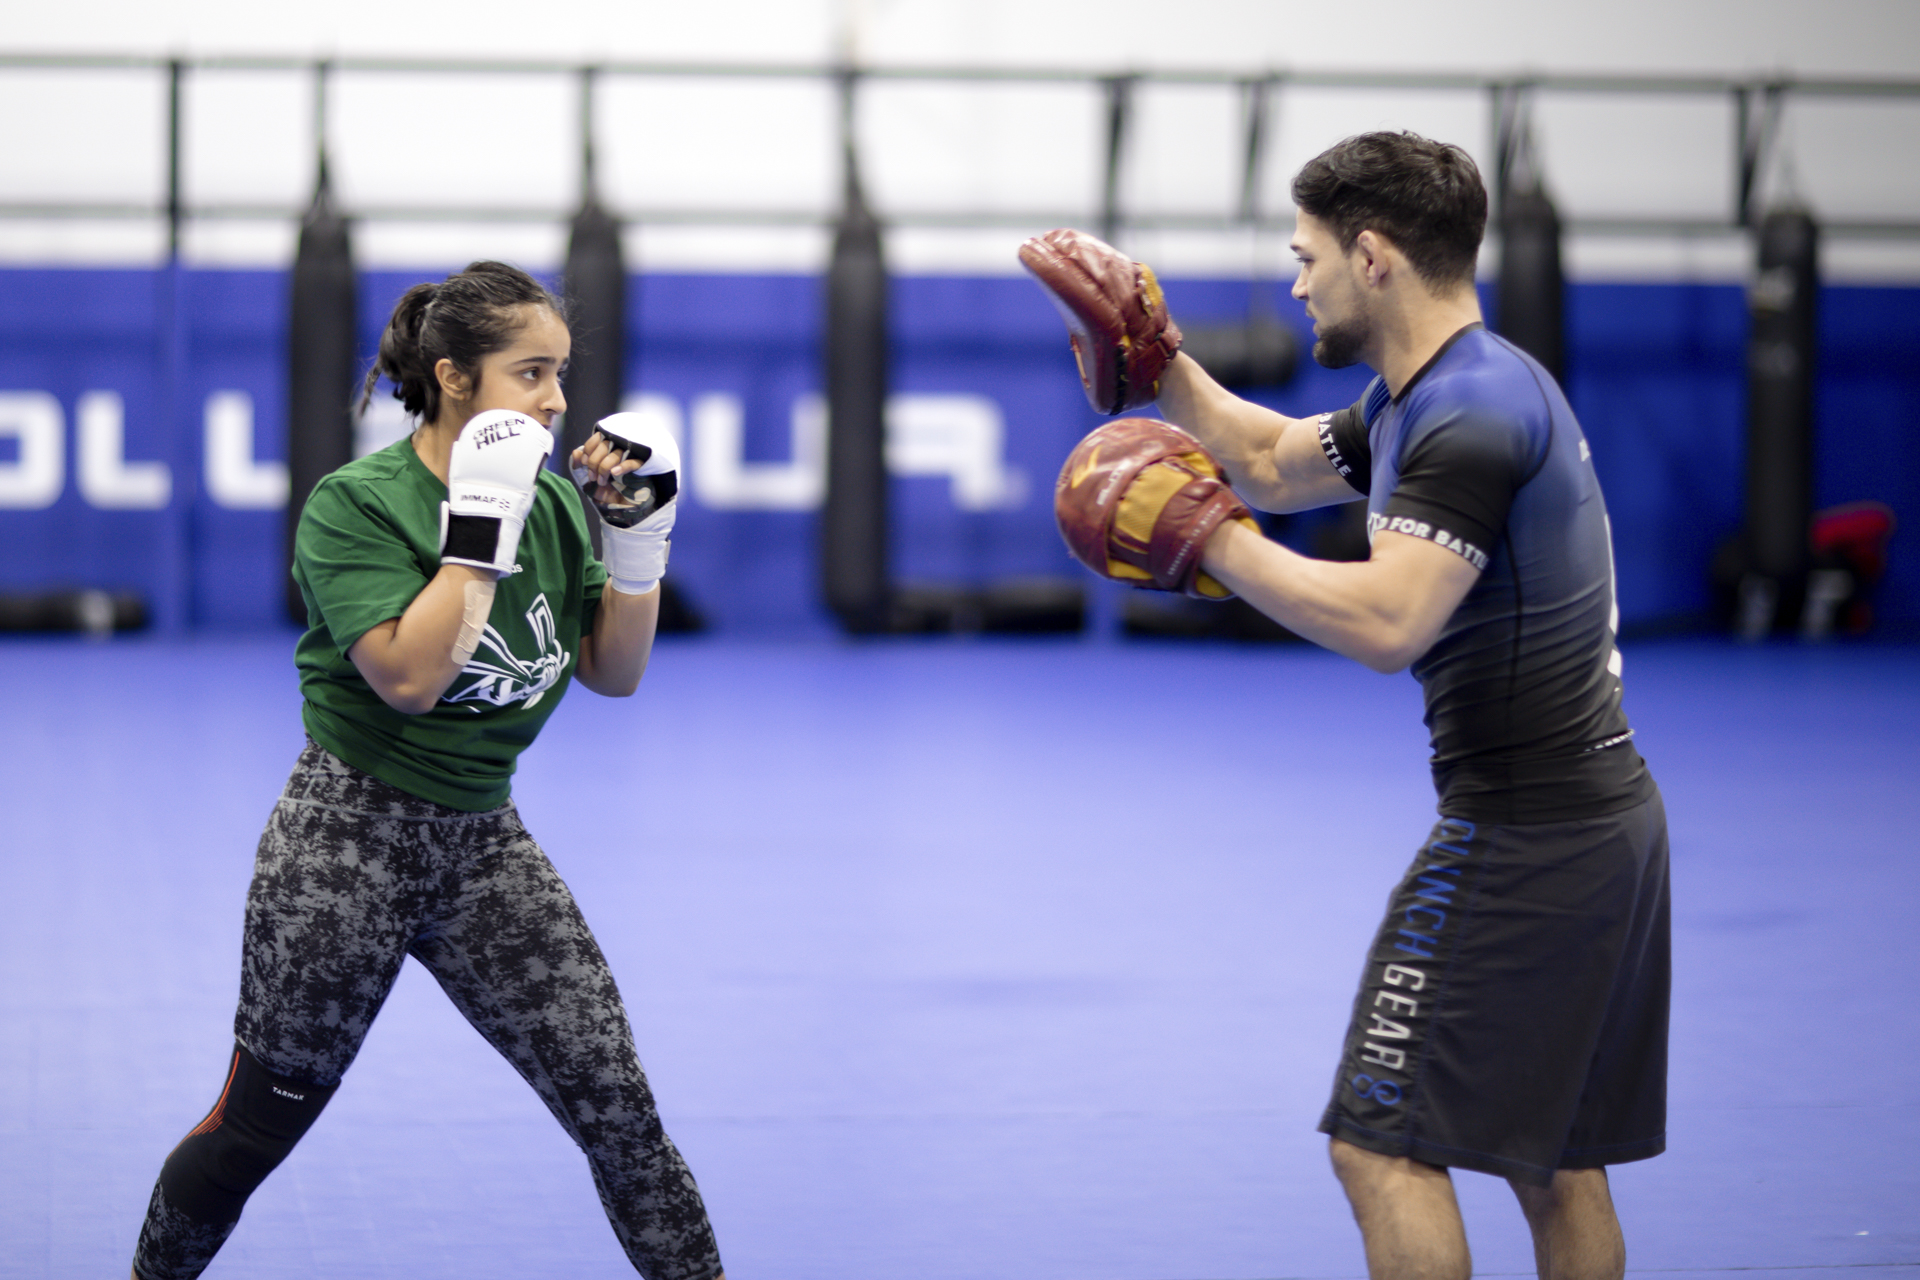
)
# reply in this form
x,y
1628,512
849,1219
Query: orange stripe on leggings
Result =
x,y
215,1116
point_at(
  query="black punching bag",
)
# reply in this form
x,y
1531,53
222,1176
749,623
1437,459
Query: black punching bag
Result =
x,y
1260,353
322,367
596,284
853,523
1530,300
1780,370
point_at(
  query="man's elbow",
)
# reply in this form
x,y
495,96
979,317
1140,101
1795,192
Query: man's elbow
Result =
x,y
1270,497
1387,661
1374,660
1394,649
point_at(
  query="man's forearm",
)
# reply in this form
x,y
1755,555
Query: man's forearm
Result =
x,y
1383,612
1240,434
1273,461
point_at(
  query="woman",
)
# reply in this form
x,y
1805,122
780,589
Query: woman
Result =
x,y
451,592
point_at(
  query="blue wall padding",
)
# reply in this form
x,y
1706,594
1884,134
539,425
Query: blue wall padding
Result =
x,y
1655,372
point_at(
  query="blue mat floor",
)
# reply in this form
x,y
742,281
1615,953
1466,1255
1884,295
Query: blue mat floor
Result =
x,y
973,960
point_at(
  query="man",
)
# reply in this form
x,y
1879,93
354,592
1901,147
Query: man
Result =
x,y
1512,1015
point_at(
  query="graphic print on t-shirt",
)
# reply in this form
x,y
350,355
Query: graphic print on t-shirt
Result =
x,y
504,676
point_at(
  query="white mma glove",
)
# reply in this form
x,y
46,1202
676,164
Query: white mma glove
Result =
x,y
490,487
637,523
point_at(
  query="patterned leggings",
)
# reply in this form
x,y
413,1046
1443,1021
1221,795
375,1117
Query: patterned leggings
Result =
x,y
353,876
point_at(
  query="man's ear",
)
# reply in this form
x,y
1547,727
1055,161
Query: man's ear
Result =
x,y
1371,248
454,384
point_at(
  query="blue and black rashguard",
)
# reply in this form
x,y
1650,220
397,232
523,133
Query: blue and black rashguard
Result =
x,y
1480,453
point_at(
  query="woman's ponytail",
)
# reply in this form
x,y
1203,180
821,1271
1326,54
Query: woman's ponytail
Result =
x,y
464,318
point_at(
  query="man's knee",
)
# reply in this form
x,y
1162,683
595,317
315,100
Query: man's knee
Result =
x,y
1406,1212
1575,1233
1580,1192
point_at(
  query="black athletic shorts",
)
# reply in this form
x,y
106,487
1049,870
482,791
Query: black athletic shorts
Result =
x,y
1513,1014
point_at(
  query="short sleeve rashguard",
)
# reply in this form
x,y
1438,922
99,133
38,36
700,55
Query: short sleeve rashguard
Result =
x,y
1481,454
368,543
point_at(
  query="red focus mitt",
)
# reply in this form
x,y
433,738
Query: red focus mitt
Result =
x,y
1122,336
1137,501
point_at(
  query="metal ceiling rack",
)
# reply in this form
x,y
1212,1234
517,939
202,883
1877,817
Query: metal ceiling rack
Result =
x,y
1758,103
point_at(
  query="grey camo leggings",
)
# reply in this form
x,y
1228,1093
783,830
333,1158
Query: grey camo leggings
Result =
x,y
354,875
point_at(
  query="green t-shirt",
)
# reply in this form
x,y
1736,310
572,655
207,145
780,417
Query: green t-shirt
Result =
x,y
368,543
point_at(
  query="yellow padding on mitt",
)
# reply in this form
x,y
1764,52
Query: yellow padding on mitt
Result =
x,y
1202,464
1150,289
1148,495
1140,508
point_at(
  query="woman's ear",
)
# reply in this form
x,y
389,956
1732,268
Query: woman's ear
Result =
x,y
454,385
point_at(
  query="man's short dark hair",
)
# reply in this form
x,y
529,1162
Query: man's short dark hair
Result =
x,y
1423,195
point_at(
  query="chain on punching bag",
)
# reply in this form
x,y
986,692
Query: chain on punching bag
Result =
x,y
1780,372
1530,301
596,283
322,366
853,523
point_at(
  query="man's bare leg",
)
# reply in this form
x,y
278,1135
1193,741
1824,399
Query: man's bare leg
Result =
x,y
1407,1214
1575,1233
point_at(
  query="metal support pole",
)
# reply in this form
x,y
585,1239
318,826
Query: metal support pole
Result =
x,y
176,205
173,607
1253,97
1119,91
1755,133
589,178
322,72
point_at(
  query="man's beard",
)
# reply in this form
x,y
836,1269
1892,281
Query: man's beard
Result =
x,y
1336,346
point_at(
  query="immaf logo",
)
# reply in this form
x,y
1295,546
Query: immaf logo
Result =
x,y
504,677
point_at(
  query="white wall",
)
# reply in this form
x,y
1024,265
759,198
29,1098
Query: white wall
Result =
x,y
471,142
